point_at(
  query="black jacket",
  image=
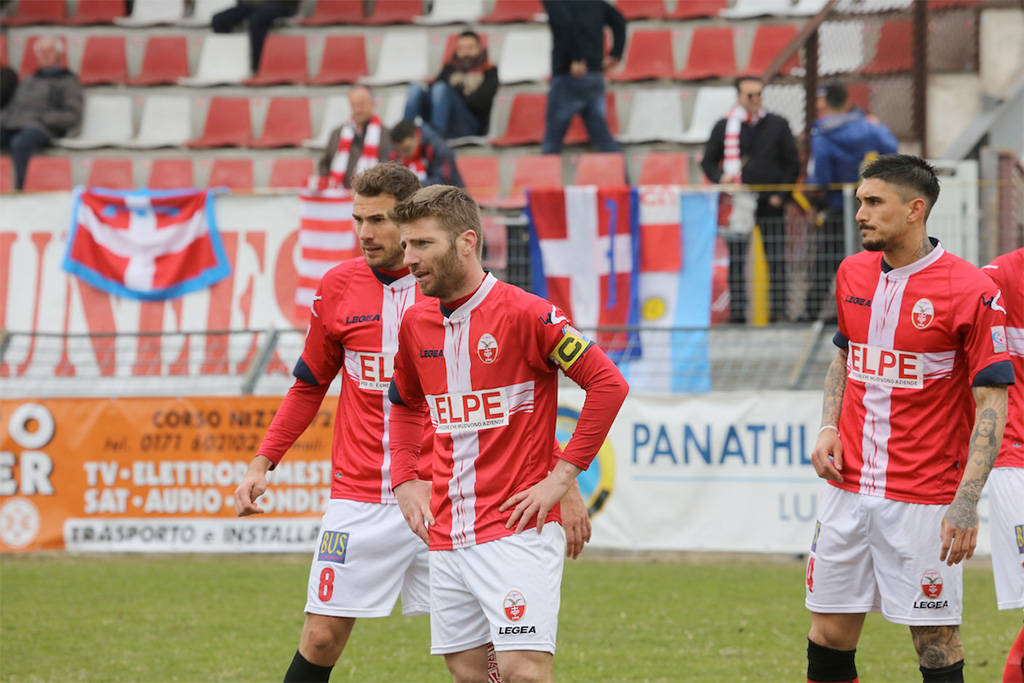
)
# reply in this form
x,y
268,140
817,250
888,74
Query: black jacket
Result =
x,y
478,93
577,32
767,150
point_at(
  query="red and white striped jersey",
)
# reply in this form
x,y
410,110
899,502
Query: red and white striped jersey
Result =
x,y
918,338
1007,272
354,325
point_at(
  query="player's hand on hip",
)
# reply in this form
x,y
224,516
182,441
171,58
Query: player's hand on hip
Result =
x,y
959,532
827,456
414,502
575,521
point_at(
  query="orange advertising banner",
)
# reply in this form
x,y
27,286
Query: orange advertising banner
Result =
x,y
154,475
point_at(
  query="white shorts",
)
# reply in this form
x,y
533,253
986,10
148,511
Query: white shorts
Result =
x,y
365,556
870,554
1006,518
505,592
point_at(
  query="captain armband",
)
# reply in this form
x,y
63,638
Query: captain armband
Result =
x,y
569,348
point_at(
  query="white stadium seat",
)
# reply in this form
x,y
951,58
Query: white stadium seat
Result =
x,y
224,60
713,103
403,59
166,122
106,122
840,47
745,9
452,12
655,114
153,12
337,111
203,11
525,56
787,101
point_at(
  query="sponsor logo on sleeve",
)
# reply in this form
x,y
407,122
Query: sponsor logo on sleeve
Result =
x,y
931,588
553,318
333,546
374,370
998,338
514,605
570,347
993,301
888,367
922,314
487,348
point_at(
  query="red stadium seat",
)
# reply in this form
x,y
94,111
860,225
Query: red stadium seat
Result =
x,y
449,45
103,61
665,168
601,169
641,9
171,174
525,120
115,174
712,54
648,55
329,12
3,49
694,9
343,61
577,133
48,174
228,124
895,48
283,61
543,170
769,41
97,12
287,123
481,175
394,12
290,173
29,61
235,174
164,61
859,96
6,175
37,12
508,11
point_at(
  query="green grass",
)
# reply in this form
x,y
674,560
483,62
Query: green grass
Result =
x,y
237,618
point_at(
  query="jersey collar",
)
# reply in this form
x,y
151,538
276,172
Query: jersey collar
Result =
x,y
918,265
465,309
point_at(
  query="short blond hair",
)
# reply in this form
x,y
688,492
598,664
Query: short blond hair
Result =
x,y
454,209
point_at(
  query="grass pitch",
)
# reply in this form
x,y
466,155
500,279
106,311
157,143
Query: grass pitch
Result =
x,y
237,618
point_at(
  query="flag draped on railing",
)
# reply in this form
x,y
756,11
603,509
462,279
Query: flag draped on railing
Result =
x,y
326,238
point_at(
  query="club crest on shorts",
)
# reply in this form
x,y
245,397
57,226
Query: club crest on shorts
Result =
x,y
487,348
931,584
515,605
922,314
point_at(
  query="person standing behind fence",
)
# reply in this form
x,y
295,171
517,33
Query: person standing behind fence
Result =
x,y
754,147
357,144
261,15
578,64
841,140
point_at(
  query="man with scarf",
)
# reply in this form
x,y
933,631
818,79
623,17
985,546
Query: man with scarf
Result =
x,y
458,102
754,147
356,145
425,153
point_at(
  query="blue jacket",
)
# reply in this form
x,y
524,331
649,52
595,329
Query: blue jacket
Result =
x,y
839,143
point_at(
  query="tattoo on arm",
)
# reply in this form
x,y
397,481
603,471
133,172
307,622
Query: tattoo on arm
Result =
x,y
989,422
937,646
835,385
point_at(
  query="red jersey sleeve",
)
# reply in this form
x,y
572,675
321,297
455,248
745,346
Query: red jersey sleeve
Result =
x,y
982,322
322,356
297,411
408,415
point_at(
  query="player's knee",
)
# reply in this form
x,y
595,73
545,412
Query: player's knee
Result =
x,y
464,671
828,664
323,638
525,669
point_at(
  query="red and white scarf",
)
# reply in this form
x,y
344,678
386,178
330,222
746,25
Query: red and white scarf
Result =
x,y
731,162
415,162
368,157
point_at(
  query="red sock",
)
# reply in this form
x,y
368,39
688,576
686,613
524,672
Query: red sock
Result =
x,y
1014,671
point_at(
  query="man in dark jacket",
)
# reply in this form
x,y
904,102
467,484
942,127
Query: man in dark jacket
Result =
x,y
459,101
578,64
425,153
46,105
261,15
754,147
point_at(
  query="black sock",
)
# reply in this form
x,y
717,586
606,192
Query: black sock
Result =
x,y
825,664
304,671
954,673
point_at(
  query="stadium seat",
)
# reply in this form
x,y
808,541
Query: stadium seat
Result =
x,y
712,104
343,60
153,12
331,12
449,45
48,174
641,9
870,6
665,168
577,133
106,122
103,61
166,122
290,173
509,11
287,123
525,120
525,56
283,61
394,12
29,12
203,11
712,54
601,169
337,110
769,41
115,174
235,174
894,50
788,102
695,9
224,60
807,8
97,12
393,110
164,61
29,61
3,49
403,59
648,55
452,12
481,175
544,170
228,124
655,114
170,174
840,47
859,96
6,175
746,9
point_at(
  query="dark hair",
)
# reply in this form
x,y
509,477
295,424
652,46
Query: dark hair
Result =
x,y
470,33
402,130
740,79
453,208
836,95
387,178
911,174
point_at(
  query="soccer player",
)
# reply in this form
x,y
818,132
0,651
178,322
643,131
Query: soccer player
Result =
x,y
920,332
1006,483
482,367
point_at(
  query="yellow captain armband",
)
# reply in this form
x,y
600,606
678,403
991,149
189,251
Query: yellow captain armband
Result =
x,y
569,348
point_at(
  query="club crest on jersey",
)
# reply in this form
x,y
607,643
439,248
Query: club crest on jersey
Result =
x,y
333,546
931,584
487,348
514,605
922,314
998,338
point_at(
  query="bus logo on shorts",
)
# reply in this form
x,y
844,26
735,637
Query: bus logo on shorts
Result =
x,y
333,546
814,541
1019,529
931,584
515,605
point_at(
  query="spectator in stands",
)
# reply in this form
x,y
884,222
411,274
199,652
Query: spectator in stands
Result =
x,y
425,153
46,105
357,144
754,147
8,83
841,141
459,100
261,15
578,64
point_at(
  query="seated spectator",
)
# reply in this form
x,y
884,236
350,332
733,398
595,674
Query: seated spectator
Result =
x,y
425,153
8,83
46,105
458,102
261,15
356,145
